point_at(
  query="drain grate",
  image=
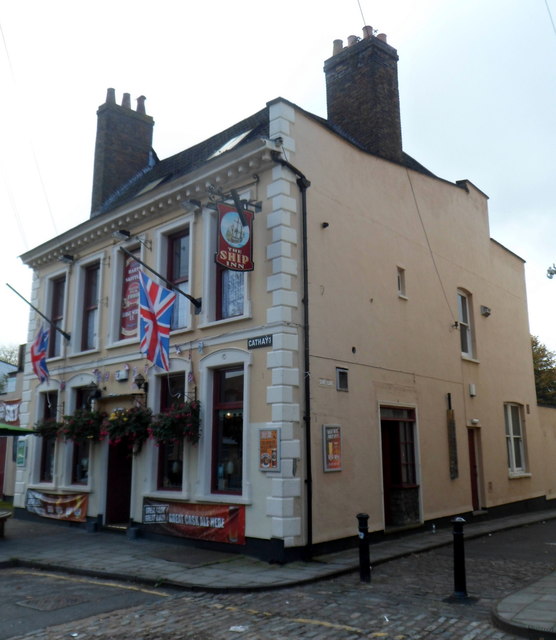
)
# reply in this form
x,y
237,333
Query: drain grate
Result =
x,y
51,603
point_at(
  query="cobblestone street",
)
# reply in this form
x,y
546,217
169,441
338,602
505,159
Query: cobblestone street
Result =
x,y
405,600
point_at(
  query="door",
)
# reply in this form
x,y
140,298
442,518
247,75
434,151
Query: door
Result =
x,y
399,473
473,468
118,485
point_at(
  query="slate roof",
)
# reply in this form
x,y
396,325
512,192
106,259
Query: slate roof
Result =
x,y
190,159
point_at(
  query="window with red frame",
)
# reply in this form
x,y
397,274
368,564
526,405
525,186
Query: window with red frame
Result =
x,y
227,431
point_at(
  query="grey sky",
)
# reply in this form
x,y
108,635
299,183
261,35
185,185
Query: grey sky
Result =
x,y
477,91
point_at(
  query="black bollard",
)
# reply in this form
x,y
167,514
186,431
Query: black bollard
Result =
x,y
364,559
460,586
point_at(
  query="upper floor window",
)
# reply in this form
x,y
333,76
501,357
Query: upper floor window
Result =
x,y
90,307
129,310
515,437
465,324
57,296
401,282
230,293
178,274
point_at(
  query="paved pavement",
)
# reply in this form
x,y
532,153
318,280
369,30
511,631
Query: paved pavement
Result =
x,y
530,611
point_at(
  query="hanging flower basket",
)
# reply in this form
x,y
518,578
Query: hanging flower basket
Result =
x,y
83,425
132,424
48,428
180,422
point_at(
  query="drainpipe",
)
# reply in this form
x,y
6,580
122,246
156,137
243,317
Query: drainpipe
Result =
x,y
303,183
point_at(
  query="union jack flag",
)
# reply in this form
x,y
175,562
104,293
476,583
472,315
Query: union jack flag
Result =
x,y
39,347
155,313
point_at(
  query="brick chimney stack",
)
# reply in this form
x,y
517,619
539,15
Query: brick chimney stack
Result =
x,y
123,146
362,93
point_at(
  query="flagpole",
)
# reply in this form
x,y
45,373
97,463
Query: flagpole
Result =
x,y
50,322
196,302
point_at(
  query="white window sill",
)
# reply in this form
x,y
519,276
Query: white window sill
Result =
x,y
164,494
223,498
77,354
515,475
215,323
469,359
123,343
402,296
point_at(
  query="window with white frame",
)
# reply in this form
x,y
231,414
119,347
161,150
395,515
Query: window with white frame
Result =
x,y
341,379
515,438
48,413
57,294
177,272
89,318
401,282
465,324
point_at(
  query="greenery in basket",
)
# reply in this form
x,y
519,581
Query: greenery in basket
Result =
x,y
83,425
48,428
180,421
133,423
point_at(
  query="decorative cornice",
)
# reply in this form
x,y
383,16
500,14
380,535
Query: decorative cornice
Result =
x,y
224,172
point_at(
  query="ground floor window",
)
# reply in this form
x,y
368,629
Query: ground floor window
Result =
x,y
227,431
49,411
47,459
515,438
80,463
170,454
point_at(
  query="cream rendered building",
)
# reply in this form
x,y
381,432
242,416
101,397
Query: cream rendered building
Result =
x,y
378,352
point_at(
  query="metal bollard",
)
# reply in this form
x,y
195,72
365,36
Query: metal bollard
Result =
x,y
460,586
364,559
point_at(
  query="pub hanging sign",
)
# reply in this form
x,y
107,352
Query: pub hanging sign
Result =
x,y
235,238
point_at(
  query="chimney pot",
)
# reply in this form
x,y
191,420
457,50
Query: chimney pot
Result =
x,y
126,101
367,32
352,40
111,96
382,37
337,47
141,104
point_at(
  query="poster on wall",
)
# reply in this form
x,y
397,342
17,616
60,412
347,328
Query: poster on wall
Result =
x,y
72,507
269,450
332,447
215,522
234,249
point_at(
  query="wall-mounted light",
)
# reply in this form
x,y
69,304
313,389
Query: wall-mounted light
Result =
x,y
191,205
140,380
485,311
67,258
325,225
124,234
121,234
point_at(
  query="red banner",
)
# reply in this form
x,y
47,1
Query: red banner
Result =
x,y
235,238
130,299
215,522
58,506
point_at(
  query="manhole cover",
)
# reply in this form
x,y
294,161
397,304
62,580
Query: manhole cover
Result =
x,y
51,603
